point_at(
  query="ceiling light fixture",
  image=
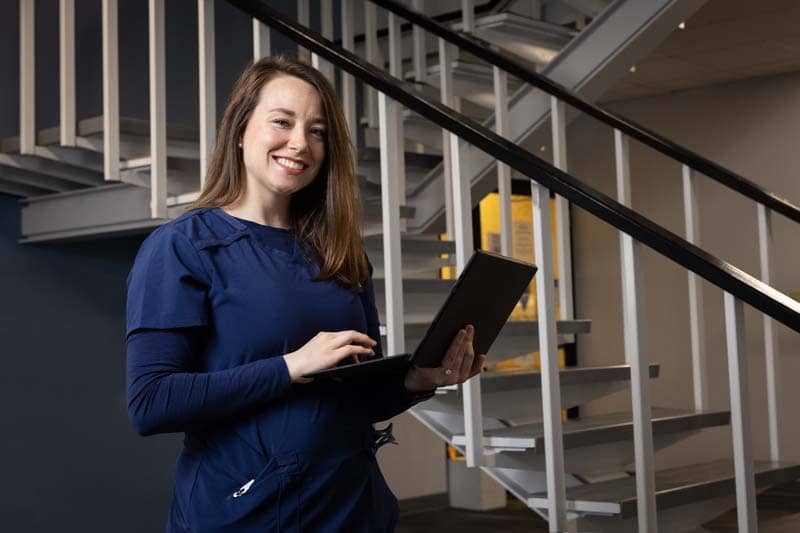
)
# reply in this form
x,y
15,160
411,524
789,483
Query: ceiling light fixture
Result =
x,y
633,68
682,25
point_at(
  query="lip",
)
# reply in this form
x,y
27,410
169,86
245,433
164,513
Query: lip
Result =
x,y
289,170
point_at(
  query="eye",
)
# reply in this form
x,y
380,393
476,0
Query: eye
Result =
x,y
282,122
318,132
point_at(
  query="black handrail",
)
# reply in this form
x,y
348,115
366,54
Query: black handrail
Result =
x,y
517,67
720,273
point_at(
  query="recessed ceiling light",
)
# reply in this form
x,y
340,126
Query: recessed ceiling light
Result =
x,y
543,148
682,25
633,68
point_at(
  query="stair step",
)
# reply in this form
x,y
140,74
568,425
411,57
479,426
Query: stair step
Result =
x,y
514,396
410,244
505,381
473,81
49,169
593,430
533,40
513,327
674,487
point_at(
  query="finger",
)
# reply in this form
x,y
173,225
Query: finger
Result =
x,y
355,337
349,351
477,365
468,353
451,358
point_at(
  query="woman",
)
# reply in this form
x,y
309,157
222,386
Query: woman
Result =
x,y
263,281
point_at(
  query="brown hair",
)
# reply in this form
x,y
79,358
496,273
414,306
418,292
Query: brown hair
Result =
x,y
326,214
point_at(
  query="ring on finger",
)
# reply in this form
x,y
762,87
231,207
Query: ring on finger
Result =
x,y
448,371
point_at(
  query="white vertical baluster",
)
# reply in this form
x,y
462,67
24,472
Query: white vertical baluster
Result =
x,y
462,221
371,38
503,170
208,79
770,344
110,90
396,70
740,415
558,119
326,14
548,350
27,77
390,156
348,82
304,19
468,15
448,99
418,37
158,111
696,317
635,351
262,45
66,70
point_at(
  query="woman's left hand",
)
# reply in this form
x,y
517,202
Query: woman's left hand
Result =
x,y
459,364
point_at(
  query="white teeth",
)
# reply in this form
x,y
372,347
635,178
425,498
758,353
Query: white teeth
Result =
x,y
289,163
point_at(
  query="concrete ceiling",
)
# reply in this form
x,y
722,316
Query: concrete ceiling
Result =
x,y
725,41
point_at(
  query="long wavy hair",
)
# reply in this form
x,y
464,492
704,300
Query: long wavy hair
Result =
x,y
326,214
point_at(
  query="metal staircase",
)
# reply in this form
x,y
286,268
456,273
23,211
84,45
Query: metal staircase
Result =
x,y
577,474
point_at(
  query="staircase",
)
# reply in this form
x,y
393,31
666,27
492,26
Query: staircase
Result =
x,y
590,473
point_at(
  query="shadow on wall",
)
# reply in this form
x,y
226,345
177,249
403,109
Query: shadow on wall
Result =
x,y
69,457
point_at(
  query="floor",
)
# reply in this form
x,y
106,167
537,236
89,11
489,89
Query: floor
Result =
x,y
778,512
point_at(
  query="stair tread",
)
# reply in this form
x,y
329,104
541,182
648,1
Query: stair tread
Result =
x,y
411,244
502,381
602,428
674,487
367,154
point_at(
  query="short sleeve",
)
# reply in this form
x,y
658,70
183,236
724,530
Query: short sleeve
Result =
x,y
167,285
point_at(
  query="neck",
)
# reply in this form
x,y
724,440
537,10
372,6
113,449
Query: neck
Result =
x,y
273,213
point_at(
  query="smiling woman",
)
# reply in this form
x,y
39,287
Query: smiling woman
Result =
x,y
263,281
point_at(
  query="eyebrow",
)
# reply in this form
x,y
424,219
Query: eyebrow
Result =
x,y
292,114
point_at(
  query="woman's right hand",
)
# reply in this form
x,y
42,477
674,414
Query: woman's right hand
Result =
x,y
326,350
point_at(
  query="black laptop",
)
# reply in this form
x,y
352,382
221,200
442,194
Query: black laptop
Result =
x,y
484,295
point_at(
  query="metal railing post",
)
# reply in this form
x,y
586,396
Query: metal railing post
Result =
x,y
373,56
740,415
348,82
326,16
558,119
304,19
448,99
548,356
468,15
696,317
110,90
27,78
208,79
158,110
396,70
66,71
636,352
390,154
770,341
418,53
262,45
503,170
462,220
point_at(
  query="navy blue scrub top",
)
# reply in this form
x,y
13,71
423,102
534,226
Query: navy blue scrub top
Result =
x,y
225,299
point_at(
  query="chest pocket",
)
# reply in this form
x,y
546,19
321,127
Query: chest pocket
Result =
x,y
222,501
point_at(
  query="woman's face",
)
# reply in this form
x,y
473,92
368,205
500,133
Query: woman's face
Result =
x,y
284,142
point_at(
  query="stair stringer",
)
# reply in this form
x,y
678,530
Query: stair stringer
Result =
x,y
590,64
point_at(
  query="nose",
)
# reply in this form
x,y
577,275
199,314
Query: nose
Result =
x,y
298,142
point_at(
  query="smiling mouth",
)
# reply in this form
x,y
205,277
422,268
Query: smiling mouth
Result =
x,y
290,164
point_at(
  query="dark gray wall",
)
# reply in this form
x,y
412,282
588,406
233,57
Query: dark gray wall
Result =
x,y
70,460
